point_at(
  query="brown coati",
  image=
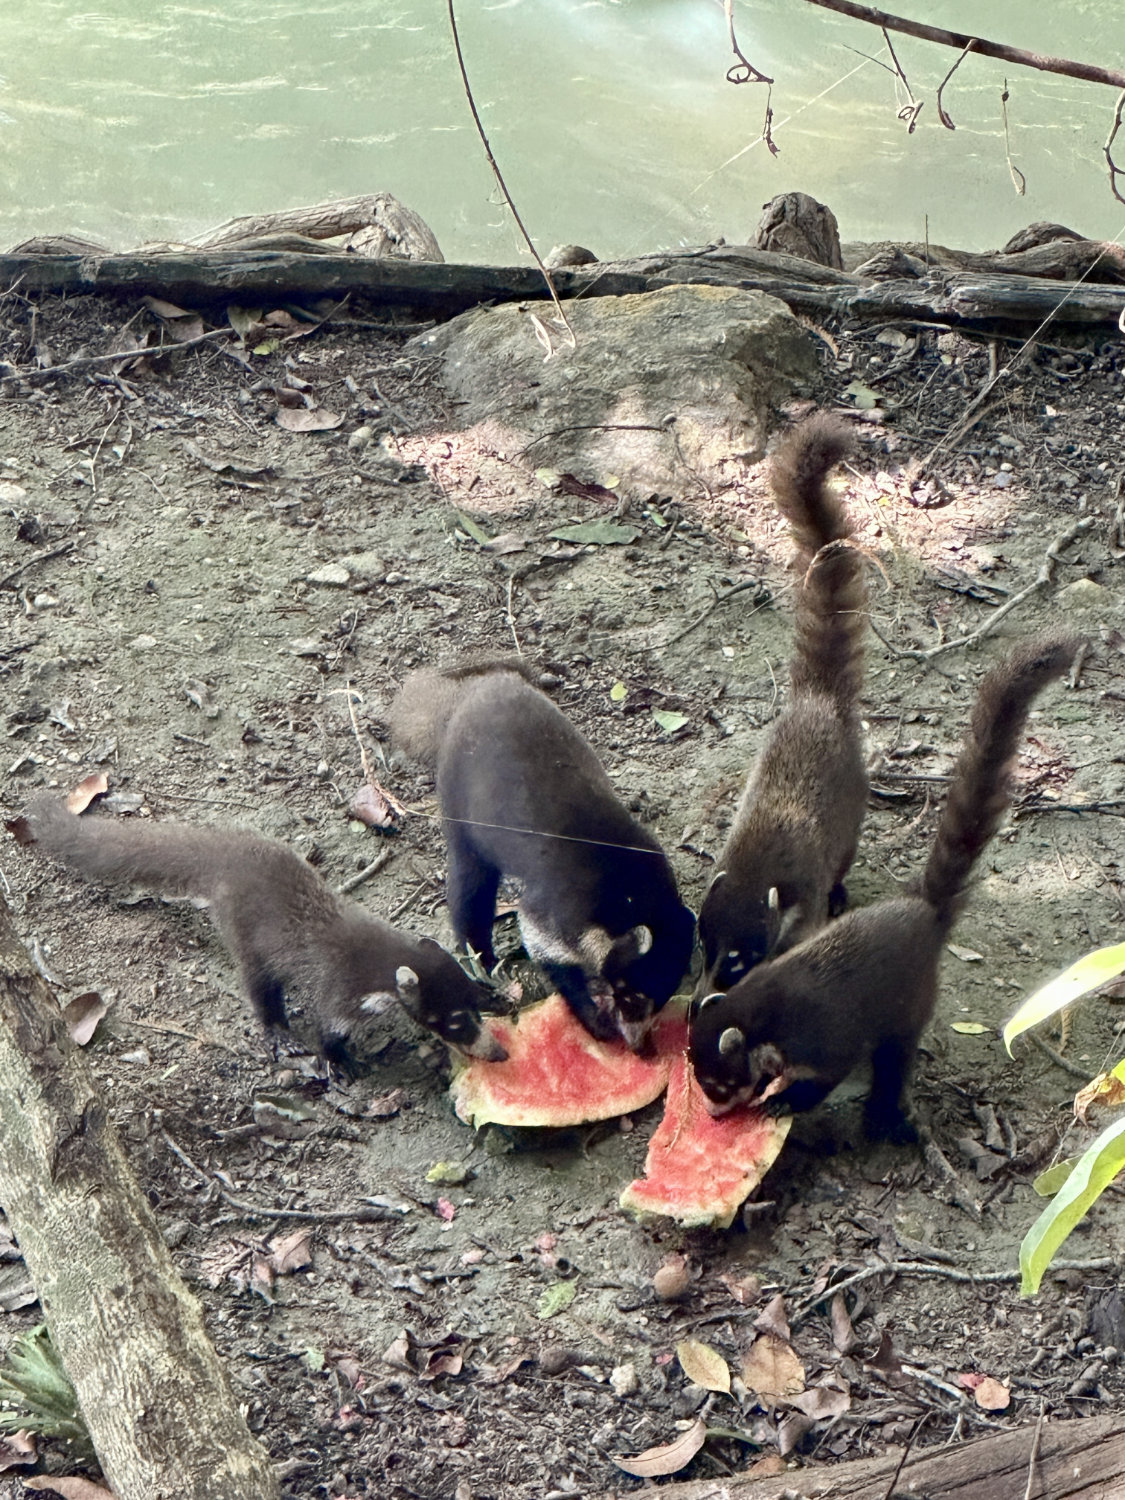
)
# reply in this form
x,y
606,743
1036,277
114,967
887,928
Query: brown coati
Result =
x,y
865,987
288,933
523,796
780,874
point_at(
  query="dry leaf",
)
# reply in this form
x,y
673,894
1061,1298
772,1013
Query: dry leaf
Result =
x,y
397,1354
386,1105
669,1458
772,1319
291,1252
70,1488
704,1365
790,1430
82,1015
445,1209
307,419
769,1464
989,1393
95,785
771,1369
844,1340
261,1277
1104,1089
444,1363
17,1449
375,807
21,830
672,1279
885,1360
822,1401
744,1290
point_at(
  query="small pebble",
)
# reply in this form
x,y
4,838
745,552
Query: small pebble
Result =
x,y
623,1380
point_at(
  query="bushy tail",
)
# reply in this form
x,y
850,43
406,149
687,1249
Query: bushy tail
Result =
x,y
164,857
981,785
427,699
831,597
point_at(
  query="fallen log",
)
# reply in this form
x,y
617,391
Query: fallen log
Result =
x,y
159,1407
1079,1460
212,278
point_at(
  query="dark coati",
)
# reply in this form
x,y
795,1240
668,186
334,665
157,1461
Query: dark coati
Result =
x,y
523,795
779,877
865,987
286,930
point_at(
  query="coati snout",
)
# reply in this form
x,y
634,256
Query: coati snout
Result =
x,y
458,1025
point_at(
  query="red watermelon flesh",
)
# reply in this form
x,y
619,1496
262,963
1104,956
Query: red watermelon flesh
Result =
x,y
556,1073
700,1168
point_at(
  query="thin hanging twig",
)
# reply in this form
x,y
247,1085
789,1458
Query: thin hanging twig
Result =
x,y
1019,181
1114,170
500,177
744,71
909,112
943,113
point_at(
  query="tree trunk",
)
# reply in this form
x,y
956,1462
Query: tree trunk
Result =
x,y
1080,1460
160,1409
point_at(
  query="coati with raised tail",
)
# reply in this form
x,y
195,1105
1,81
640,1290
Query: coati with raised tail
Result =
x,y
780,874
865,987
524,796
287,932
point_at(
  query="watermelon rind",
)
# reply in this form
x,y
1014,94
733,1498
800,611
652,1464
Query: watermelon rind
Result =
x,y
699,1170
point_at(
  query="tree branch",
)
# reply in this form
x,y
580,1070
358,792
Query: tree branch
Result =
x,y
1091,72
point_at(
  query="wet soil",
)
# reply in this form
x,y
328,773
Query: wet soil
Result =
x,y
193,596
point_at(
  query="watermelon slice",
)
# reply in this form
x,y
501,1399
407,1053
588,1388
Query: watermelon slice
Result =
x,y
556,1073
699,1169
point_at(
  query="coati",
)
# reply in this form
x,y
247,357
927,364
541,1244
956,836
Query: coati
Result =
x,y
794,1028
523,795
286,930
795,831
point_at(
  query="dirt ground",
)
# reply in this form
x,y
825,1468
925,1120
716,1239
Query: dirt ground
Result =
x,y
188,593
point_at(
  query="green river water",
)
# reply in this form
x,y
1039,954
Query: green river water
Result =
x,y
612,120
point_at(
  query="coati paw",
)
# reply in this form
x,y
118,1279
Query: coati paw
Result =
x,y
892,1128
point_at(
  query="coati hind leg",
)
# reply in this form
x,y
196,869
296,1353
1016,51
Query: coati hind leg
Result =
x,y
471,884
885,1114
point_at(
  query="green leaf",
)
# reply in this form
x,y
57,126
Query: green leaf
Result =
x,y
556,1298
599,533
864,397
669,721
453,1172
618,692
314,1359
969,1028
1048,1183
267,346
1087,974
1096,1168
468,525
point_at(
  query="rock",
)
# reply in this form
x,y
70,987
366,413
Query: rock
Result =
x,y
360,438
623,1380
795,224
331,575
369,566
570,255
1085,595
142,643
666,389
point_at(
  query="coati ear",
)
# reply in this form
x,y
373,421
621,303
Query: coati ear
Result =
x,y
409,990
774,899
630,946
732,1043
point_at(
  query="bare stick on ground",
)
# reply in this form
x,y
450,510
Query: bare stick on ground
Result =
x,y
158,1404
